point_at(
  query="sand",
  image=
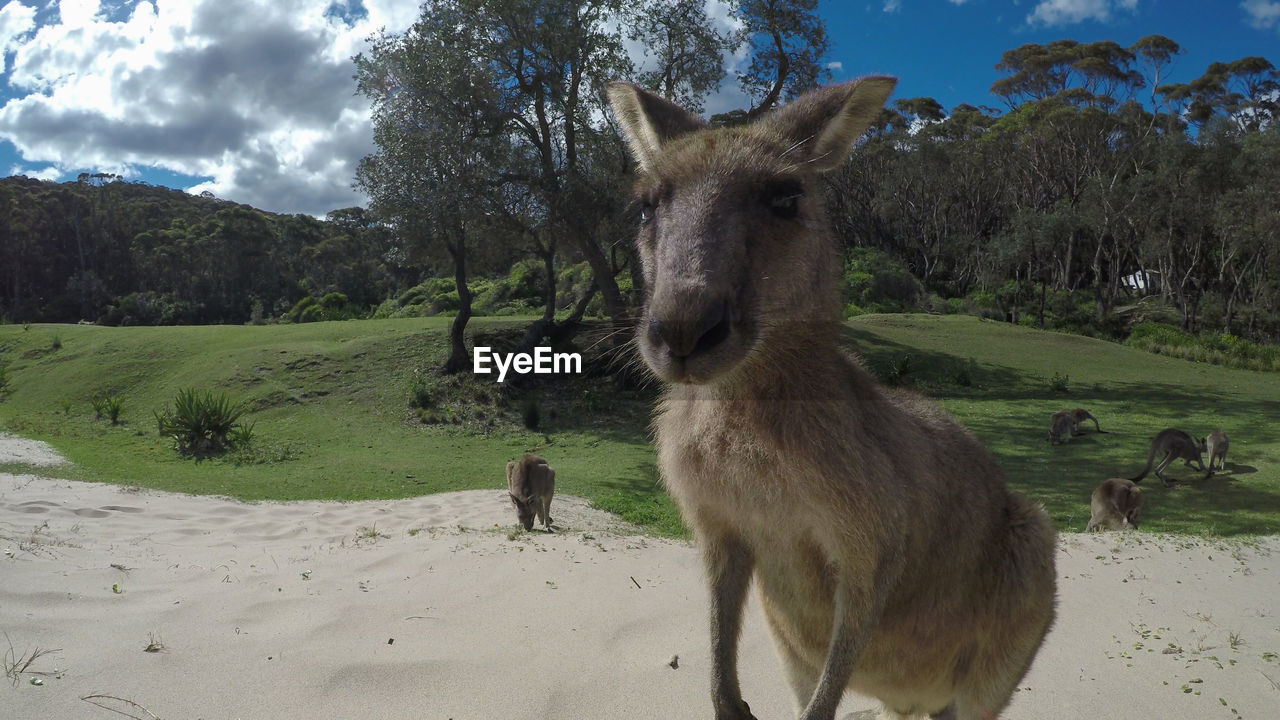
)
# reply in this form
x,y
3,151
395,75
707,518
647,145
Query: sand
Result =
x,y
436,607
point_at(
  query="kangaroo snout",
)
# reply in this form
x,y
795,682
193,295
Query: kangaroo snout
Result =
x,y
691,329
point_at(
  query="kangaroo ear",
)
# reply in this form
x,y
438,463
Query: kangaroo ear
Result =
x,y
823,123
648,121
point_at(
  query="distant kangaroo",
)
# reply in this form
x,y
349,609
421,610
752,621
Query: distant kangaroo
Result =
x,y
1114,505
889,555
1079,415
531,482
1062,426
1216,445
1176,445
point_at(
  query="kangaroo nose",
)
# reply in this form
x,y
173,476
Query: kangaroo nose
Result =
x,y
685,339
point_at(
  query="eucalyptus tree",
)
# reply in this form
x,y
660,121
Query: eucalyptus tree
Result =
x,y
438,119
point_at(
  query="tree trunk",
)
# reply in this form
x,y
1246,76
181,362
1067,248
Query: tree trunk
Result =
x,y
458,359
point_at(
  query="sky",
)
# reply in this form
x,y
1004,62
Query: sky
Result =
x,y
253,100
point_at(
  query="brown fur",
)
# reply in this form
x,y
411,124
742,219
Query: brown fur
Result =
x,y
1079,415
531,482
889,556
1216,445
1062,426
1175,445
1114,505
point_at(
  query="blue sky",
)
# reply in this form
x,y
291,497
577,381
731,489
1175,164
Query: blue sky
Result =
x,y
253,99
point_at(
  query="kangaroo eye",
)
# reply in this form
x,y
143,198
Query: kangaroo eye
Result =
x,y
783,200
646,213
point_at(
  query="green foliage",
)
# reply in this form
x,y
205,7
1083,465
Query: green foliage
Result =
x,y
1059,383
204,423
107,405
873,282
1215,348
4,378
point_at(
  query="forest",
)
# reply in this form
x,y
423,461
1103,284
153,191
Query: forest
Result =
x,y
1102,196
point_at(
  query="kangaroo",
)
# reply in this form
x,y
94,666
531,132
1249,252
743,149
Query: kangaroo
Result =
x,y
1216,445
1061,427
1114,505
1079,415
889,556
1176,445
531,482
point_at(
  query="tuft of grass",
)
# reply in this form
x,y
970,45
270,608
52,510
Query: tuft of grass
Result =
x,y
1059,383
204,423
107,405
16,665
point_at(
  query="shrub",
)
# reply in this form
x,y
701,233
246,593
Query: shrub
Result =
x,y
872,280
1058,383
203,423
107,405
4,378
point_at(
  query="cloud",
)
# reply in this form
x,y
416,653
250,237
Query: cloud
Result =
x,y
48,173
1263,14
257,97
16,20
1070,12
892,6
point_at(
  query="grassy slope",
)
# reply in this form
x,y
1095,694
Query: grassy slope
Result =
x,y
336,395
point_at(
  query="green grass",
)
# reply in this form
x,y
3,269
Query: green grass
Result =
x,y
338,414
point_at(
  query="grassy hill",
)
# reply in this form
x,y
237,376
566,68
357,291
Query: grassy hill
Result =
x,y
332,406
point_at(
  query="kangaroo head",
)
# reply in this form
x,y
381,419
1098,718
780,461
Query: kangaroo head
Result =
x,y
733,238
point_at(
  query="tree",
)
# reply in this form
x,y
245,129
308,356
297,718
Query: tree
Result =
x,y
437,116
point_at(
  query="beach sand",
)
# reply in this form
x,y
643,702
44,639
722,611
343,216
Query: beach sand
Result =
x,y
436,607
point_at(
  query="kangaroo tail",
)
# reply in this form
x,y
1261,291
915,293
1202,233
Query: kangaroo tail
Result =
x,y
1151,454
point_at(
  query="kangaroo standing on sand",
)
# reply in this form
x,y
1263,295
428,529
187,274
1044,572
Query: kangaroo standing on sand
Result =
x,y
1176,445
1216,445
1114,505
531,482
889,556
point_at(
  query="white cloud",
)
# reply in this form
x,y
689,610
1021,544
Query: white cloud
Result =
x,y
258,96
48,173
16,20
835,66
1070,12
1263,14
891,6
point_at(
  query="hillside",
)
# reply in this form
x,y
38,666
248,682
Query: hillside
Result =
x,y
332,406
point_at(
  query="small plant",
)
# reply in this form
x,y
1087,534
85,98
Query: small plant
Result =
x,y
1058,383
107,405
369,533
899,369
204,424
56,343
154,644
15,665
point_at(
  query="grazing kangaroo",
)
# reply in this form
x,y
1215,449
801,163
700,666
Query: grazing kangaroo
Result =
x,y
531,482
1079,415
1216,445
1061,427
889,556
1176,445
1114,505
